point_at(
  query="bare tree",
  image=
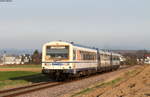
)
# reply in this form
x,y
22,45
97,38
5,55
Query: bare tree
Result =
x,y
36,57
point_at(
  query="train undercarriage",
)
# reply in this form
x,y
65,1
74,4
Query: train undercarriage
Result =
x,y
61,75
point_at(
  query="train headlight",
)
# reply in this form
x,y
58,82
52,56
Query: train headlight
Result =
x,y
69,67
46,64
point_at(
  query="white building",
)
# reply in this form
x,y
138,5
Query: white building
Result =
x,y
9,59
144,60
1,61
26,58
122,59
147,60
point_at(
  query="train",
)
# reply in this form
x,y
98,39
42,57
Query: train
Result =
x,y
62,60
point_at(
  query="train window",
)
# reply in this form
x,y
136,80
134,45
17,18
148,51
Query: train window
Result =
x,y
59,52
82,56
74,54
88,56
118,58
115,58
85,57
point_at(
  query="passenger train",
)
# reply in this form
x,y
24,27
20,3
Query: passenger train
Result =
x,y
61,60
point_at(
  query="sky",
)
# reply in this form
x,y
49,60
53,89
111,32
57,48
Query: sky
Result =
x,y
106,24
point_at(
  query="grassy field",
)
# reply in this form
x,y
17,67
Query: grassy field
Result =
x,y
10,79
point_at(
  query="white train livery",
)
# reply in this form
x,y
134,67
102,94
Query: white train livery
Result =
x,y
61,60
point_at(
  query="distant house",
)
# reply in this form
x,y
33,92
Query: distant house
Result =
x,y
122,58
147,59
10,59
15,59
1,61
26,58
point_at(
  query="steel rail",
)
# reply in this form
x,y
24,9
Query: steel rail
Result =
x,y
26,89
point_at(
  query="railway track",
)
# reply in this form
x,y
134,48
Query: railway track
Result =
x,y
38,86
26,89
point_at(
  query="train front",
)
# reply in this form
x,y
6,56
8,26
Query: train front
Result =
x,y
56,57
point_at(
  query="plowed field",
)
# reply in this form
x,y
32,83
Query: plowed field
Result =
x,y
132,83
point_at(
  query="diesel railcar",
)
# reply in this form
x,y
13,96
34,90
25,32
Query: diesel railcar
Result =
x,y
61,60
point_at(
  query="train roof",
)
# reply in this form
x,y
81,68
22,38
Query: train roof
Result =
x,y
83,46
72,43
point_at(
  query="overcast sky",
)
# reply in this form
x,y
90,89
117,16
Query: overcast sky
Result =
x,y
110,24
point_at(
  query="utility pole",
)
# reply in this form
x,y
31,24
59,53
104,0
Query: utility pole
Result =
x,y
4,57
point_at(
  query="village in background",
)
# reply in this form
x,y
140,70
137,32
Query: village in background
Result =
x,y
128,57
20,57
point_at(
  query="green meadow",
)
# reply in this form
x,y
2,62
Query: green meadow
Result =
x,y
10,79
19,78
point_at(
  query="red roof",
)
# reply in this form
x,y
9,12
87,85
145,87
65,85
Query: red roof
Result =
x,y
147,55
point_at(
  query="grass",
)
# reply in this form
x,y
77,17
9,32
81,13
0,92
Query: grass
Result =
x,y
130,73
112,82
14,78
82,92
6,75
22,66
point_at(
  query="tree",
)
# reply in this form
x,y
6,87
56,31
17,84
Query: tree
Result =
x,y
131,58
36,57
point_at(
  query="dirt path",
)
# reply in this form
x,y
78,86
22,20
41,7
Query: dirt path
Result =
x,y
21,69
134,83
136,86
